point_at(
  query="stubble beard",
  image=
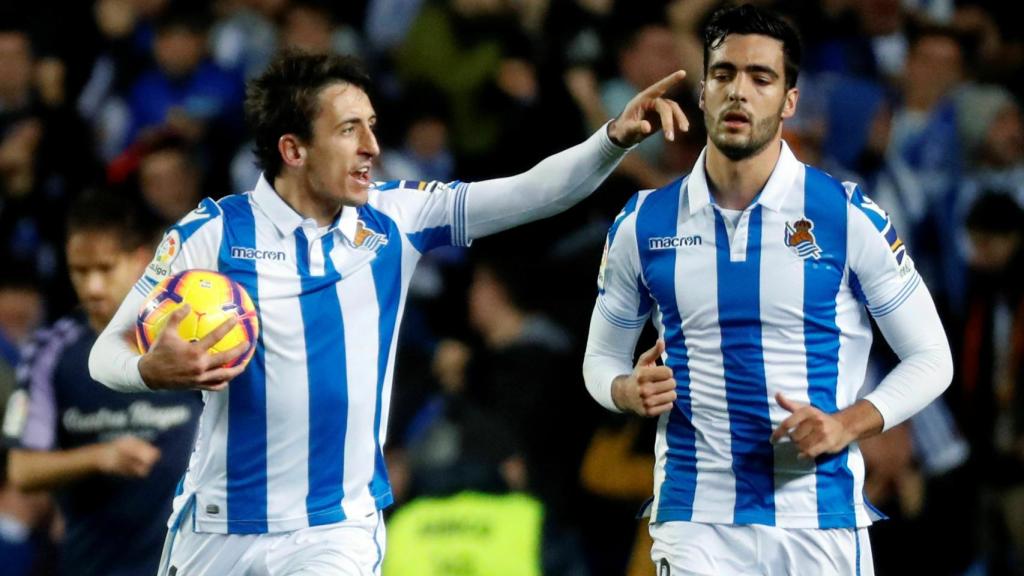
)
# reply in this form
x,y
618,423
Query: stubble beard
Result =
x,y
762,133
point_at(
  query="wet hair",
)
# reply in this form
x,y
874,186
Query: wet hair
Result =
x,y
284,99
111,213
749,19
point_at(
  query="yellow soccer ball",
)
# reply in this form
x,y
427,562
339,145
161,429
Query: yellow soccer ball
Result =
x,y
213,298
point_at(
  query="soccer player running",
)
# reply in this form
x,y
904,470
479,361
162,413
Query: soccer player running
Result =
x,y
288,475
112,460
759,273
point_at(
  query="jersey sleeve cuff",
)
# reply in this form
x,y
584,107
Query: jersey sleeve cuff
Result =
x,y
889,419
609,148
460,234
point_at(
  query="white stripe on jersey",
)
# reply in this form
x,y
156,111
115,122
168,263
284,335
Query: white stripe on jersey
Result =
x,y
272,470
361,343
747,313
781,365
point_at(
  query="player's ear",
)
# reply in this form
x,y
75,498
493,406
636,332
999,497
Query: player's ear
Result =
x,y
292,151
789,107
700,98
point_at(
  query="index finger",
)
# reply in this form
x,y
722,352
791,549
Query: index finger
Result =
x,y
663,85
177,315
214,336
788,424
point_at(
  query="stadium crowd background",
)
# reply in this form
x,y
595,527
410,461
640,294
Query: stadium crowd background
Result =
x,y
918,100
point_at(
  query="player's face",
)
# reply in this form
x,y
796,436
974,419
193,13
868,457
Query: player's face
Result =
x,y
744,95
339,159
102,272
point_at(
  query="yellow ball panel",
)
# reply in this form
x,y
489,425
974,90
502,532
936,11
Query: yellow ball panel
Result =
x,y
213,298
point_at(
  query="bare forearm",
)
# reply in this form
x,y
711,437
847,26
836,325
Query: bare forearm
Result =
x,y
861,420
41,470
620,391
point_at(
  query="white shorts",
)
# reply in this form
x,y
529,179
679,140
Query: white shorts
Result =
x,y
354,547
694,548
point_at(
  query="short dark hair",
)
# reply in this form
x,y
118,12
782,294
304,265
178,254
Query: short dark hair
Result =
x,y
749,19
284,99
100,210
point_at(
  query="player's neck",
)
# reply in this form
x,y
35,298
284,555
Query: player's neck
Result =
x,y
735,183
295,192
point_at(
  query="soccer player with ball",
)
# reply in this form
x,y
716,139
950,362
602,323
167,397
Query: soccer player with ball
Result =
x,y
288,475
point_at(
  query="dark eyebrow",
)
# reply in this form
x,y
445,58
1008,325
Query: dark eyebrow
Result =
x,y
751,68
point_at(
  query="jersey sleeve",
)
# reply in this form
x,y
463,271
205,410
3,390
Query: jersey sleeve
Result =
x,y
622,308
30,419
622,297
430,214
192,242
882,274
553,185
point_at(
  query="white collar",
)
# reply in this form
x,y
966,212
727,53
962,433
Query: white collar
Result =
x,y
771,196
286,219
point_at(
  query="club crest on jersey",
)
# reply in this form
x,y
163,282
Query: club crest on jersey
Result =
x,y
367,239
801,240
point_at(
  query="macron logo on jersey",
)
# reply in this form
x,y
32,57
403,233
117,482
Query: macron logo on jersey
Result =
x,y
669,242
245,253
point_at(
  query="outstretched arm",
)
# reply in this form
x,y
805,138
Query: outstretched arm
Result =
x,y
565,178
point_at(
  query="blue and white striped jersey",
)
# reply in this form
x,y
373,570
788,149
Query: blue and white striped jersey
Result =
x,y
776,300
296,440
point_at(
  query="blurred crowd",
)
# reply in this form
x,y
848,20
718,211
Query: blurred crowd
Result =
x,y
919,101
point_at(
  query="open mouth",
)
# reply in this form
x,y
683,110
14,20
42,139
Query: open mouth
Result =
x,y
362,175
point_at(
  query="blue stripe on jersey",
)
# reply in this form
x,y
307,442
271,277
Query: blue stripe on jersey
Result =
x,y
625,323
900,298
879,219
389,259
431,238
247,395
194,220
658,217
324,331
857,289
825,205
856,536
746,389
626,211
388,185
612,231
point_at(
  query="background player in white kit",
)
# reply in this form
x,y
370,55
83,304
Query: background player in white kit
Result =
x,y
288,474
756,270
